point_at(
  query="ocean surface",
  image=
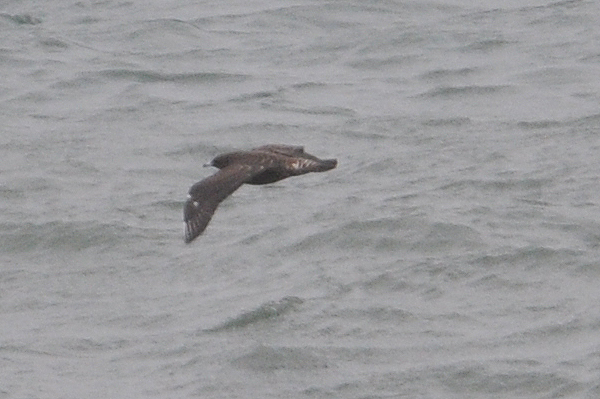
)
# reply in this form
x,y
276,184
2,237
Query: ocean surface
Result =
x,y
454,252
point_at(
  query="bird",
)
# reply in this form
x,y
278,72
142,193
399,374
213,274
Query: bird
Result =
x,y
262,165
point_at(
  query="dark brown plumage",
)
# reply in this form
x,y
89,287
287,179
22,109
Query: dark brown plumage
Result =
x,y
262,165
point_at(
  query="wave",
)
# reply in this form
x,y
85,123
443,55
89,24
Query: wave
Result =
x,y
149,76
21,19
267,358
472,90
530,257
266,311
391,235
60,236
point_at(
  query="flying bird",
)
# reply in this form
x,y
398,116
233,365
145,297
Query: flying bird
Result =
x,y
262,165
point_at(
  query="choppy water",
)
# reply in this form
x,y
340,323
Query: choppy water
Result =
x,y
452,254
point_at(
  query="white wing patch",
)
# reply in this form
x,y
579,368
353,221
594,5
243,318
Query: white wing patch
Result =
x,y
301,164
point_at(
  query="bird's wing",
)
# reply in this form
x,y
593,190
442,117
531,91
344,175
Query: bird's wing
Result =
x,y
205,196
300,165
295,160
292,151
281,149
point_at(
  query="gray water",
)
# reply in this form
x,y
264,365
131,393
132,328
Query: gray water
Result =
x,y
454,252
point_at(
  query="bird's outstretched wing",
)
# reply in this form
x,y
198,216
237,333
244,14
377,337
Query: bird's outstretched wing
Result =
x,y
282,149
207,194
295,161
294,151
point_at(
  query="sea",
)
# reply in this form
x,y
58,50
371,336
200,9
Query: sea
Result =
x,y
453,253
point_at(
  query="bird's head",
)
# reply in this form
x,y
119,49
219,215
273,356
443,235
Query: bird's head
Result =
x,y
221,161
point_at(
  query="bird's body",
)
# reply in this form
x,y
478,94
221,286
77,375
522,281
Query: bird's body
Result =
x,y
262,165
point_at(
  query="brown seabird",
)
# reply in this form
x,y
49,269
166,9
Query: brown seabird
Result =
x,y
262,165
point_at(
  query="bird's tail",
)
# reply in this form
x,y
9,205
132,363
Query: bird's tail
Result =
x,y
326,164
